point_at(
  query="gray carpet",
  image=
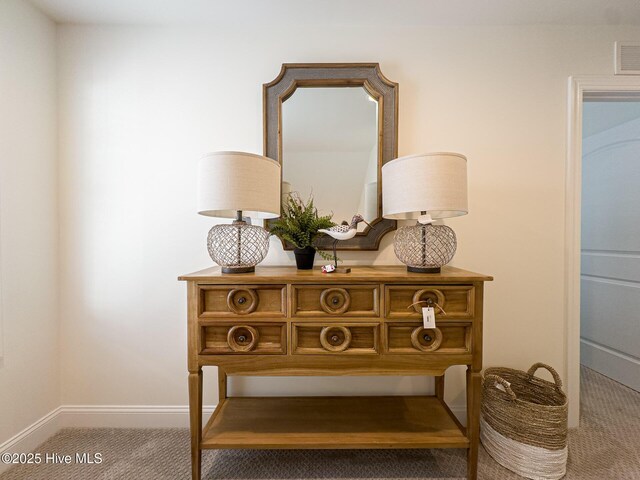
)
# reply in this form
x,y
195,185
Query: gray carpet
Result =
x,y
606,447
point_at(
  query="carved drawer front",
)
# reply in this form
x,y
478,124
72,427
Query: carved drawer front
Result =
x,y
407,301
330,338
412,337
242,300
237,338
335,300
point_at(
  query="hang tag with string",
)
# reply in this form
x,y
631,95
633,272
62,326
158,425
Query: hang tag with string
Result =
x,y
428,317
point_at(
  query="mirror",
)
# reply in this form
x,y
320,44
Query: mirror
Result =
x,y
332,127
330,150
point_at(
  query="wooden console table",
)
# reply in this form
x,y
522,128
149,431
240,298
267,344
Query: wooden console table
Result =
x,y
283,321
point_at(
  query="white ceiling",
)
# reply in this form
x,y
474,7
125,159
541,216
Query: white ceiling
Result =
x,y
345,12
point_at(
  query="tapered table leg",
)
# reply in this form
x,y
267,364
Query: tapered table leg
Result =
x,y
440,387
195,416
473,422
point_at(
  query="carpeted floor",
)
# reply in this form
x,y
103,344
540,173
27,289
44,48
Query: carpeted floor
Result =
x,y
606,447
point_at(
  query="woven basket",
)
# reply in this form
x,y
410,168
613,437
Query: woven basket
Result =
x,y
524,422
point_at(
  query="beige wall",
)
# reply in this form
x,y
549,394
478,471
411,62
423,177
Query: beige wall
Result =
x,y
138,106
29,363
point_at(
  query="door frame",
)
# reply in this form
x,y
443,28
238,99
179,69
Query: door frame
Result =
x,y
580,87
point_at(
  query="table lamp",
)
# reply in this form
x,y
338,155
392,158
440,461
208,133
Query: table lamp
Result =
x,y
425,187
230,185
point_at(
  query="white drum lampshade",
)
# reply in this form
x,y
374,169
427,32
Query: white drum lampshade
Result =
x,y
425,187
230,185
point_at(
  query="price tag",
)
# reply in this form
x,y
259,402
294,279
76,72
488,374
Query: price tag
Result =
x,y
428,317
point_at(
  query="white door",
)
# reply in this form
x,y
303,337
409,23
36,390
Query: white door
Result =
x,y
610,281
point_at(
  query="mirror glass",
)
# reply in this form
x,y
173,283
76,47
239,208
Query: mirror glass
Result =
x,y
330,150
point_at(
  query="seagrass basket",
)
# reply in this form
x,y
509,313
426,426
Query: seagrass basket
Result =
x,y
523,425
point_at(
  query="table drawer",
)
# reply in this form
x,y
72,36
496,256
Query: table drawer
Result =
x,y
456,300
411,337
335,300
335,338
235,338
242,300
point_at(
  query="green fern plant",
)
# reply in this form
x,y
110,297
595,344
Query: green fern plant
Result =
x,y
300,222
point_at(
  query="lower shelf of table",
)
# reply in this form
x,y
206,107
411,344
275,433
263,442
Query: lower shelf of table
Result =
x,y
333,422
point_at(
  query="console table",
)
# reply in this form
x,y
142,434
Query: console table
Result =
x,y
283,321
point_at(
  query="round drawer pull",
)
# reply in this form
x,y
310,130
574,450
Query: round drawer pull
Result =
x,y
426,339
335,339
427,297
335,300
242,338
242,301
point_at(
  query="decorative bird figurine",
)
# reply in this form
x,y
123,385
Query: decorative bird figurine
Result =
x,y
344,231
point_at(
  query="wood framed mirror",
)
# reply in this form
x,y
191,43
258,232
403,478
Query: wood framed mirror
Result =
x,y
332,126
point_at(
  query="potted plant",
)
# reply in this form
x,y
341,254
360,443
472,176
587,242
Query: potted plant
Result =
x,y
299,225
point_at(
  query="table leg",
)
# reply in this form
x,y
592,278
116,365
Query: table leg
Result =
x,y
473,421
440,387
222,385
195,416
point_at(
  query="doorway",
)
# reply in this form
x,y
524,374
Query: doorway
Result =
x,y
582,91
610,237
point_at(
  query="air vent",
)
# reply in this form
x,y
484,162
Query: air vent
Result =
x,y
627,58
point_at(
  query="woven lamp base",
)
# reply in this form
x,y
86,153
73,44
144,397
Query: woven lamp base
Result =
x,y
424,248
238,247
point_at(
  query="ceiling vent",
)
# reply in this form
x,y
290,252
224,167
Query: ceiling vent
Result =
x,y
627,58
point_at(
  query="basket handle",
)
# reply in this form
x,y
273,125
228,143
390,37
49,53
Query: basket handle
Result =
x,y
551,370
497,379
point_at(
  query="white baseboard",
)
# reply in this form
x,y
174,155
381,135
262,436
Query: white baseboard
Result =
x,y
31,437
460,411
116,416
152,416
128,416
98,416
617,365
